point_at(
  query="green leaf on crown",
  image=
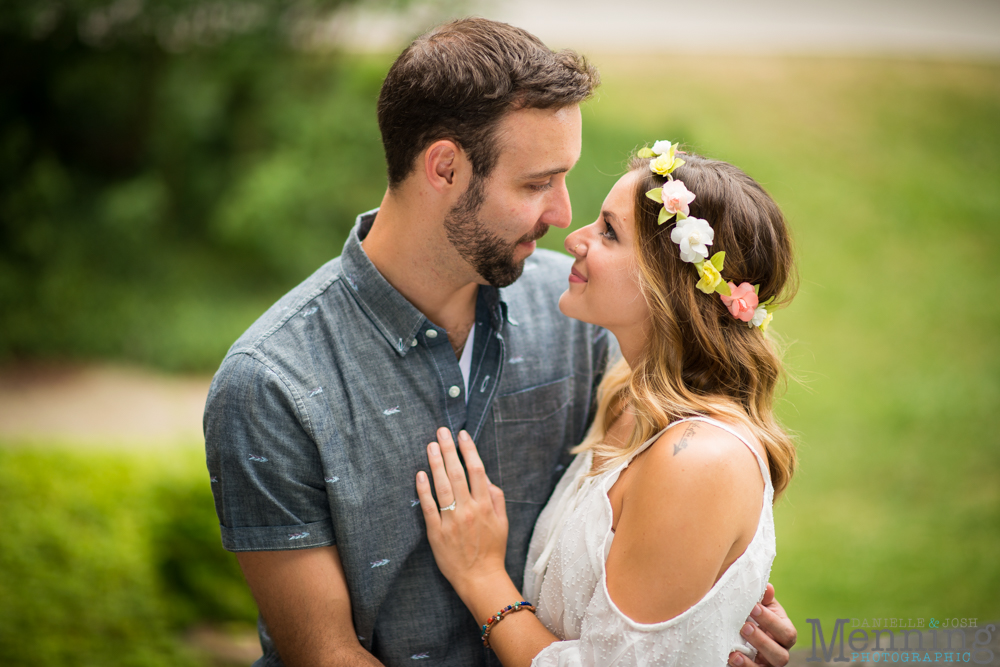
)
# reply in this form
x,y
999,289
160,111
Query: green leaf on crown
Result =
x,y
717,260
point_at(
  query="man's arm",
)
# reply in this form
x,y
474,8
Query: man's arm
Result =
x,y
302,595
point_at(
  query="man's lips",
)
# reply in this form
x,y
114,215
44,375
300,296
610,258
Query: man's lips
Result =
x,y
537,233
576,277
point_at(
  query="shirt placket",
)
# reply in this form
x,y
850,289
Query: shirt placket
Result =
x,y
451,384
487,366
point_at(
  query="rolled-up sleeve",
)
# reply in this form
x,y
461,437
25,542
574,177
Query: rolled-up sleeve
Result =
x,y
264,466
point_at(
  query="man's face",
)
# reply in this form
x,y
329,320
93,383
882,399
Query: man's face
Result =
x,y
496,222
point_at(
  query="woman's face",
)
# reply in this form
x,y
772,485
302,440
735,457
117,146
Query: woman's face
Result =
x,y
604,284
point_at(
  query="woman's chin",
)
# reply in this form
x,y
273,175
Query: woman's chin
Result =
x,y
569,306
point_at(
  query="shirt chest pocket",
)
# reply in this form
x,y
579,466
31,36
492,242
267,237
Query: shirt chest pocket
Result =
x,y
532,427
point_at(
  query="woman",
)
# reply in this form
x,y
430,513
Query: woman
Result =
x,y
659,539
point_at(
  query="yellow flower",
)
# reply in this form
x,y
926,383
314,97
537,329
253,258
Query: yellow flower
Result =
x,y
767,320
710,277
663,164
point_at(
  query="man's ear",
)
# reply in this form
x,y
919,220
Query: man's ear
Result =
x,y
442,161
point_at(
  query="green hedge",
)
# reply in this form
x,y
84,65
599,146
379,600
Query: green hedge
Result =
x,y
106,557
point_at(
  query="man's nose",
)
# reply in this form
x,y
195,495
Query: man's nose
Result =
x,y
559,212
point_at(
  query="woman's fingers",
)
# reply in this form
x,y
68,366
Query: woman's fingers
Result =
x,y
499,503
427,504
479,483
442,485
453,466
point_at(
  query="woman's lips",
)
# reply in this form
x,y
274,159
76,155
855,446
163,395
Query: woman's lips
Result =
x,y
576,277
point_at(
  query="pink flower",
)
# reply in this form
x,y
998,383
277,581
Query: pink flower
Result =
x,y
742,302
676,197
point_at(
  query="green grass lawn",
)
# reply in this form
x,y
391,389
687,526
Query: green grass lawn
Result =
x,y
889,173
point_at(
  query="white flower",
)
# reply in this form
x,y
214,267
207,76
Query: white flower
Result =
x,y
693,235
759,315
661,147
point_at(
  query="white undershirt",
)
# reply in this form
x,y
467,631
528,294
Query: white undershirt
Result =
x,y
465,361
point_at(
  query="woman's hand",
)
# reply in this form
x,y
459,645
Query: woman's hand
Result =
x,y
469,533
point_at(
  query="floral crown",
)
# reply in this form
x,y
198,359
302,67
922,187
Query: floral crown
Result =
x,y
694,235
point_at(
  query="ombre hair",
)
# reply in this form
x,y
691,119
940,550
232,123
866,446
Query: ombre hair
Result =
x,y
698,358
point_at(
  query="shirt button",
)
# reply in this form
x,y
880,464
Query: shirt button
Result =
x,y
454,391
432,333
413,343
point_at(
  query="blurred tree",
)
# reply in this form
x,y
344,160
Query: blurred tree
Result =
x,y
169,168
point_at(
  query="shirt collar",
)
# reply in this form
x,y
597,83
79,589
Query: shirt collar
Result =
x,y
397,319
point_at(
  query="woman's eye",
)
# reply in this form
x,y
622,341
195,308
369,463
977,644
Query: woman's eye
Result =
x,y
609,232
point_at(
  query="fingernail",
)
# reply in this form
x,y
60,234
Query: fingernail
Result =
x,y
463,435
755,612
432,449
421,476
747,629
737,660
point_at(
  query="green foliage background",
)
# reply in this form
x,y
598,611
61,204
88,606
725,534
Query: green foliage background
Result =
x,y
157,195
155,198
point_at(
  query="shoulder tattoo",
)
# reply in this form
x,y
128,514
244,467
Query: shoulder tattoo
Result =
x,y
685,440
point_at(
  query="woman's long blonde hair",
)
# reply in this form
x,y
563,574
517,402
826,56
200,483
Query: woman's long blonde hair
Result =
x,y
699,359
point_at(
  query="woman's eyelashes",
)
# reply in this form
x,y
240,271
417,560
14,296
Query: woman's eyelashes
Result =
x,y
609,231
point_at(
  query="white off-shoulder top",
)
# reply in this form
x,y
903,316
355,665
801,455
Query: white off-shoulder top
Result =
x,y
566,581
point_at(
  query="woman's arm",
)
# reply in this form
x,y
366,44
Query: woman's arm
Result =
x,y
470,543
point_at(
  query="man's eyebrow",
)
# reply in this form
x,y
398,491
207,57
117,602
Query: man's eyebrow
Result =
x,y
546,174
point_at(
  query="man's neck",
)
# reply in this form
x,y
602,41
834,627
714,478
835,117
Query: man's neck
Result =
x,y
409,247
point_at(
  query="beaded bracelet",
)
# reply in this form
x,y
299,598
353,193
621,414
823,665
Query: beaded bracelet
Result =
x,y
495,618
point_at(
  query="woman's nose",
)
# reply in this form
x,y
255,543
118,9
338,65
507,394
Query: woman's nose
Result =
x,y
574,244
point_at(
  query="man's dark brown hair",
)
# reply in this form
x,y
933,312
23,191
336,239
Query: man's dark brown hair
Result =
x,y
457,82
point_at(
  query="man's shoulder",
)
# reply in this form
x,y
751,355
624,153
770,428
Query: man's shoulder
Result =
x,y
306,300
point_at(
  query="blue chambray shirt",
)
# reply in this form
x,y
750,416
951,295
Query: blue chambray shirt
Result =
x,y
318,419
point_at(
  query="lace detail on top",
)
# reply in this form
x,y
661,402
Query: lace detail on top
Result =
x,y
565,579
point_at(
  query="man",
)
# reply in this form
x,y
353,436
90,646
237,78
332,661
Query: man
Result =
x,y
318,418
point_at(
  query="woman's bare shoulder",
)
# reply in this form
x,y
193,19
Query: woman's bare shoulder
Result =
x,y
695,493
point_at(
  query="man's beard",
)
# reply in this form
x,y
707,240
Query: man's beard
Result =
x,y
489,255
